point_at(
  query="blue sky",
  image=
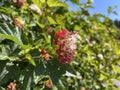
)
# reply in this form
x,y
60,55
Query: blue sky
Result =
x,y
101,6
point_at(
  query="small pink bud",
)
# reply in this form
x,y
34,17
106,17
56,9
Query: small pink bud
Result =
x,y
11,86
20,3
49,84
47,57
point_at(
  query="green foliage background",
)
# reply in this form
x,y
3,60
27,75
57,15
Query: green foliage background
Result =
x,y
94,67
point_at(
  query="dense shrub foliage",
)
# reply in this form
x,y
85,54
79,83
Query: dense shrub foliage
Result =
x,y
44,45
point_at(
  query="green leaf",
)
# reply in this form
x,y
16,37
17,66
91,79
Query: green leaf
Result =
x,y
77,27
38,3
75,1
40,25
55,88
56,71
8,72
109,9
115,13
115,68
7,52
7,31
51,20
3,73
56,3
14,40
6,10
28,79
102,77
32,62
38,19
60,85
29,57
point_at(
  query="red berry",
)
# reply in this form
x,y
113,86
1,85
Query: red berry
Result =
x,y
56,42
48,84
47,57
43,51
20,3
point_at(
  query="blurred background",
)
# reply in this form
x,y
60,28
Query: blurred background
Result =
x,y
103,7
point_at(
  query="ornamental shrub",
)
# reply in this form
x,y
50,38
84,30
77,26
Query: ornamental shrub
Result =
x,y
45,45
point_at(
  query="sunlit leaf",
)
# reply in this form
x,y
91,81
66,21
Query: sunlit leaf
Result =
x,y
56,3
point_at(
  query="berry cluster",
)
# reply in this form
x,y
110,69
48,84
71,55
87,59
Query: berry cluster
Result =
x,y
46,55
11,86
66,42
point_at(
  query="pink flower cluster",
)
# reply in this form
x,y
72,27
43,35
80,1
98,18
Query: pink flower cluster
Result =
x,y
66,42
11,86
48,84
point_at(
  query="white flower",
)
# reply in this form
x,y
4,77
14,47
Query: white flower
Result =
x,y
91,1
116,83
35,8
79,37
70,42
100,56
94,27
73,39
73,47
